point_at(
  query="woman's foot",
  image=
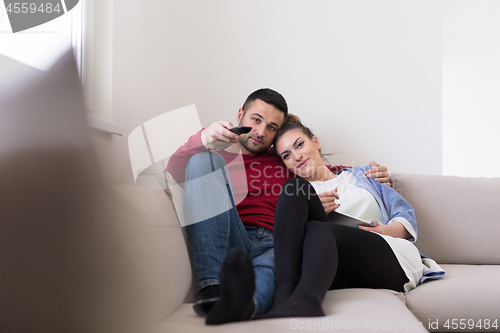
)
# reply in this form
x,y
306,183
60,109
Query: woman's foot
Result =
x,y
295,306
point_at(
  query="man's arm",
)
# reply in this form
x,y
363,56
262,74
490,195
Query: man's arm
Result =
x,y
214,137
178,161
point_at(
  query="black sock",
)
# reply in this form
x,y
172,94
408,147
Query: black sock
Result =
x,y
237,285
283,291
208,292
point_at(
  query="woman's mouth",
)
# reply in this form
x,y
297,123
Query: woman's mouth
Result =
x,y
303,163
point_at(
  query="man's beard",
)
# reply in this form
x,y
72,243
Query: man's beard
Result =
x,y
244,141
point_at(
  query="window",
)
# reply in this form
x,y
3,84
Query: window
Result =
x,y
89,36
40,46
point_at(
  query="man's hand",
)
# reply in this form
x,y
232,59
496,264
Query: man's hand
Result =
x,y
217,136
379,172
328,200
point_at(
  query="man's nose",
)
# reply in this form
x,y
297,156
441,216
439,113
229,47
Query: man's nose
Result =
x,y
259,130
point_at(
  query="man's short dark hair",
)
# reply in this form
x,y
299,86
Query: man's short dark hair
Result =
x,y
268,96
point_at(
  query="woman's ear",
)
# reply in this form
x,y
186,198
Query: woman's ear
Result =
x,y
316,142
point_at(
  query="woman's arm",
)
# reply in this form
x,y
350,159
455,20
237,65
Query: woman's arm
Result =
x,y
395,229
394,207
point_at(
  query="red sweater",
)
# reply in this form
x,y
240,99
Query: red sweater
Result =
x,y
256,180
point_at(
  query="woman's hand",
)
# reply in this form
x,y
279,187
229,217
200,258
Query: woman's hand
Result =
x,y
328,200
376,227
396,229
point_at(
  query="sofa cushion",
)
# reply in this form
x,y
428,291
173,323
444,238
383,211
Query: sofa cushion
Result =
x,y
458,218
359,310
467,292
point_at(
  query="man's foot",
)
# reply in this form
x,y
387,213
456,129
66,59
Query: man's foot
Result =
x,y
206,300
237,285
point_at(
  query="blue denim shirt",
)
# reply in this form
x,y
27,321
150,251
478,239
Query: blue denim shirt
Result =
x,y
395,208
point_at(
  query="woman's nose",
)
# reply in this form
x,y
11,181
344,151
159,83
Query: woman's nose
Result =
x,y
297,156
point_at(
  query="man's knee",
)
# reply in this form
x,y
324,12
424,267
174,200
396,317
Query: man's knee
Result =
x,y
202,164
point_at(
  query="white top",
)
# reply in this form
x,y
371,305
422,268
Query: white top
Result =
x,y
354,201
359,203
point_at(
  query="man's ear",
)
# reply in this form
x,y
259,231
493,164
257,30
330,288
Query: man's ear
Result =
x,y
240,115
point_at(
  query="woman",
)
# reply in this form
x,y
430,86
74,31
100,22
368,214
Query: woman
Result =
x,y
313,254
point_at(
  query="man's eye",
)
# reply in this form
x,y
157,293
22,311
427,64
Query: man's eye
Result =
x,y
272,129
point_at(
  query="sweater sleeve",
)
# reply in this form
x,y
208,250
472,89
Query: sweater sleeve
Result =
x,y
177,163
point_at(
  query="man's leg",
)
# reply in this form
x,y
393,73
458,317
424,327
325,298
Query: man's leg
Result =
x,y
242,295
212,221
262,254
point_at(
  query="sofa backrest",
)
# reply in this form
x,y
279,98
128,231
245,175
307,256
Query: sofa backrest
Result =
x,y
458,218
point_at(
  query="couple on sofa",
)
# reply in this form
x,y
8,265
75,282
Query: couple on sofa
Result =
x,y
232,205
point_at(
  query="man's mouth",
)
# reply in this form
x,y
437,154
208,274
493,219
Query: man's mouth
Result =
x,y
256,141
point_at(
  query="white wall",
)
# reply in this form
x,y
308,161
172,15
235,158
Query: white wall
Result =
x,y
364,75
471,88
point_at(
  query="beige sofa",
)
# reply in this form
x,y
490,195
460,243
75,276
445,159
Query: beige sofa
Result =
x,y
456,221
78,255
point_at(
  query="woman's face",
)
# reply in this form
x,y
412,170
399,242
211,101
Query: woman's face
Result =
x,y
300,154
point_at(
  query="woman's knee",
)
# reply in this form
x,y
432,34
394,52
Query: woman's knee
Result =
x,y
297,187
320,227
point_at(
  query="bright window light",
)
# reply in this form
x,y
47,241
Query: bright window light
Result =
x,y
42,45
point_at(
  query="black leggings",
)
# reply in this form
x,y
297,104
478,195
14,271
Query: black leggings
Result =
x,y
313,254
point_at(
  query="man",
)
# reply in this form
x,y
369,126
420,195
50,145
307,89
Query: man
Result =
x,y
230,201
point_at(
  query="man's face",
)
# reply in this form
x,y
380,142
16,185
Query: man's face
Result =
x,y
265,120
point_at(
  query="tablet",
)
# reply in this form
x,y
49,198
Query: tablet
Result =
x,y
347,220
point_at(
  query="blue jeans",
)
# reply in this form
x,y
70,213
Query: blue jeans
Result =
x,y
209,195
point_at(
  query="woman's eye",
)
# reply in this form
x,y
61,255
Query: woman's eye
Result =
x,y
284,157
300,144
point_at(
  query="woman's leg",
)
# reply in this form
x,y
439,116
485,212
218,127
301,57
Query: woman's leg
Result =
x,y
297,204
318,271
366,260
362,257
